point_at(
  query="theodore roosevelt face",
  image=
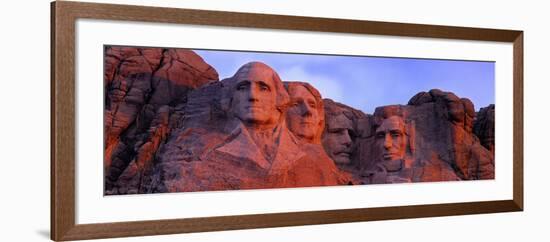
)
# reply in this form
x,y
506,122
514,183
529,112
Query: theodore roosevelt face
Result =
x,y
337,139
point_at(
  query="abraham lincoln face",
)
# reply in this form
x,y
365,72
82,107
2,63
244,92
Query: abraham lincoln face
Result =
x,y
391,139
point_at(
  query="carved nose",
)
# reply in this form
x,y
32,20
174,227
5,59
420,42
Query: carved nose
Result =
x,y
252,95
347,139
306,110
387,141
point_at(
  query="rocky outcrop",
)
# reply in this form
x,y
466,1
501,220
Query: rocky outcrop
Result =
x,y
144,87
439,136
444,124
484,127
440,143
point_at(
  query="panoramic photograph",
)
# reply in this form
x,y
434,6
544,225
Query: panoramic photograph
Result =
x,y
189,120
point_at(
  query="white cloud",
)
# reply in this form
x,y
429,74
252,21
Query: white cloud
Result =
x,y
329,88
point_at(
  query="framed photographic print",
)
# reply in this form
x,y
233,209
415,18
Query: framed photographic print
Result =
x,y
173,120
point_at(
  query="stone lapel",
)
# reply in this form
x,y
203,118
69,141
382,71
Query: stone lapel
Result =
x,y
241,146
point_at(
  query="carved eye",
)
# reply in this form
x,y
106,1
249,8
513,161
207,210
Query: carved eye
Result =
x,y
293,104
395,134
242,86
264,87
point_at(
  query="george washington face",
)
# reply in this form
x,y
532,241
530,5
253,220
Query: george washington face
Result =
x,y
254,98
254,102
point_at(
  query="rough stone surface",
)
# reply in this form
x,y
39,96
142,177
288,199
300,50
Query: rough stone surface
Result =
x,y
214,150
484,127
346,129
143,88
220,161
441,145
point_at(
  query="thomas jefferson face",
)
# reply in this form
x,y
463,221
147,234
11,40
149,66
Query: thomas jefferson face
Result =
x,y
391,139
254,96
303,116
337,140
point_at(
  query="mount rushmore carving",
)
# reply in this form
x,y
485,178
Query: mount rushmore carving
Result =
x,y
172,126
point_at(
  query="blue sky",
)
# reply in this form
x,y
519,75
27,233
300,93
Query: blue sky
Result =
x,y
369,82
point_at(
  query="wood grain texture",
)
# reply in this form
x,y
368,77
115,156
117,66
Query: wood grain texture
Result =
x,y
63,17
63,123
518,120
142,228
233,19
53,161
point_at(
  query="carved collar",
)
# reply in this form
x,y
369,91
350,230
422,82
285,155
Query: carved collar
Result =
x,y
241,146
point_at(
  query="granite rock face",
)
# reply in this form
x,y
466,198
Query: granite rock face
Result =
x,y
217,148
438,142
171,126
346,130
466,155
484,127
144,87
442,135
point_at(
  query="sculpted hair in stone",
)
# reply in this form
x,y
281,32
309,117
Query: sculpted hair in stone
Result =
x,y
385,112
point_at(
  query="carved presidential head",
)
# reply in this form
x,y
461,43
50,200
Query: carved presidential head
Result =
x,y
391,140
305,114
393,135
256,95
337,138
